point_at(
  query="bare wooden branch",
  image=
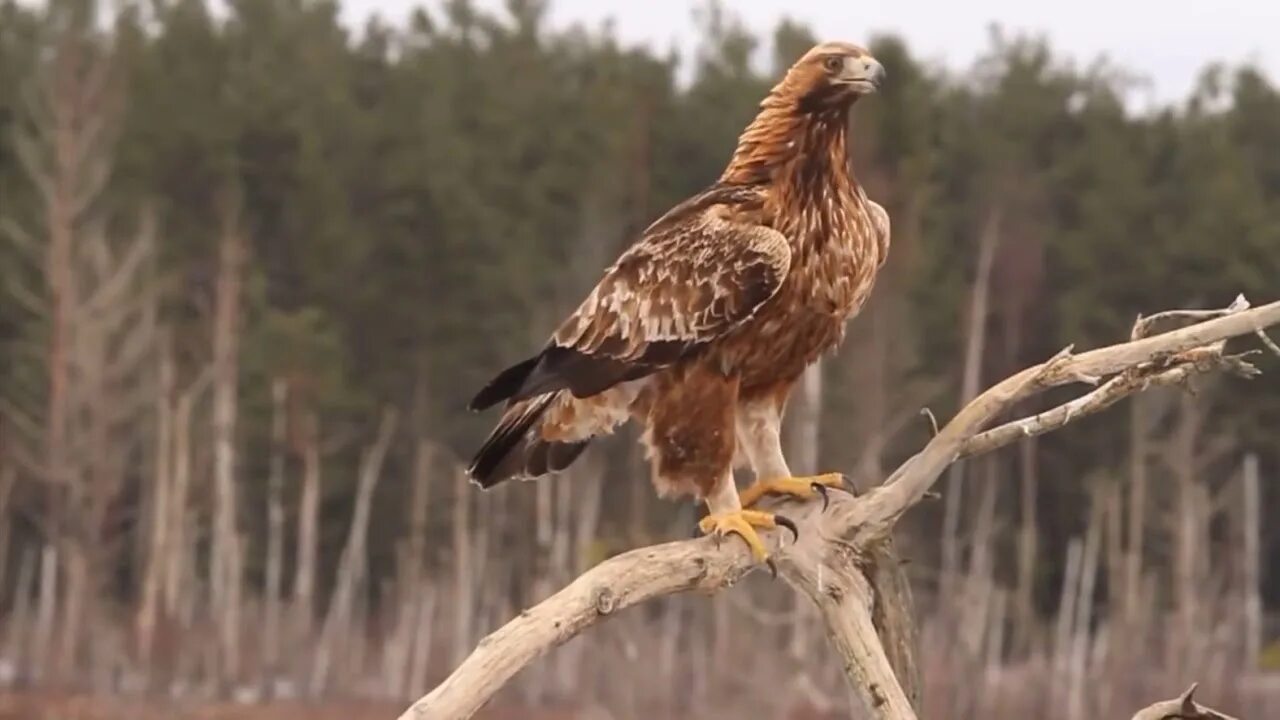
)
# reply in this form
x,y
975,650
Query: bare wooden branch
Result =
x,y
834,560
1117,388
1181,708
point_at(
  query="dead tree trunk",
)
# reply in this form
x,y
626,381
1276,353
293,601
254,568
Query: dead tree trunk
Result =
x,y
179,555
352,563
227,558
1251,509
1028,539
68,157
1188,523
160,506
463,570
275,529
307,554
1138,455
975,346
8,478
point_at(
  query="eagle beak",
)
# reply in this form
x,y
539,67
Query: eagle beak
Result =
x,y
865,74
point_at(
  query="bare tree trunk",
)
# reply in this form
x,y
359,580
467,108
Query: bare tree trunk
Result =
x,y
1188,539
47,605
1064,626
1028,539
308,526
227,556
420,659
1252,581
352,563
1081,623
19,642
275,529
160,506
8,478
463,570
1138,454
975,346
179,554
67,160
415,557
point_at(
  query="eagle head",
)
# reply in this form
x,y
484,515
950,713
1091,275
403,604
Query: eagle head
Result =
x,y
832,74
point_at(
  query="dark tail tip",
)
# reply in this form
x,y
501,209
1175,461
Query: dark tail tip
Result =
x,y
502,454
504,386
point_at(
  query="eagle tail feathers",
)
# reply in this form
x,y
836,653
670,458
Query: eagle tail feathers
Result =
x,y
514,450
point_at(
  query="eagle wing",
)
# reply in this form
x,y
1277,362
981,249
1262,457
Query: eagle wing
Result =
x,y
693,276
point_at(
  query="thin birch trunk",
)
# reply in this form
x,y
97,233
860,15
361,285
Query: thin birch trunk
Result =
x,y
352,564
46,608
1186,525
179,554
975,347
1064,628
274,580
463,570
227,559
1028,538
1138,455
308,528
20,630
1083,619
8,478
420,660
162,480
1251,511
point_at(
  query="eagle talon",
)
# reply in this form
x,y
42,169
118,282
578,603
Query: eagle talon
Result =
x,y
802,488
821,490
773,567
786,522
743,523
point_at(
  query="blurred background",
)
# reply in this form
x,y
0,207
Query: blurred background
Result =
x,y
256,255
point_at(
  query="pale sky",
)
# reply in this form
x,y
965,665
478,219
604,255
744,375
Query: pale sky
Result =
x,y
1166,41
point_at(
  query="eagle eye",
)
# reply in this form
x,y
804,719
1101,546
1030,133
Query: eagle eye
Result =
x,y
833,63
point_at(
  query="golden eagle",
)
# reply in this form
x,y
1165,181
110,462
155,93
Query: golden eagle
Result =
x,y
700,329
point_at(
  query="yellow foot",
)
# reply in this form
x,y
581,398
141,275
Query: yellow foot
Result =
x,y
801,487
743,523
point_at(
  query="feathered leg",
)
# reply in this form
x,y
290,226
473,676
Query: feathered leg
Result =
x,y
690,436
759,433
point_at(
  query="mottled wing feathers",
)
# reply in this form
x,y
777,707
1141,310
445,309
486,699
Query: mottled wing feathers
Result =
x,y
695,275
682,287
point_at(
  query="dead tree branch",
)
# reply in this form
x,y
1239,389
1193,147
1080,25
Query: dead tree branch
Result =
x,y
1182,708
836,557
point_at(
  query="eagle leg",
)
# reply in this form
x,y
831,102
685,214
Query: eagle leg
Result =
x,y
804,488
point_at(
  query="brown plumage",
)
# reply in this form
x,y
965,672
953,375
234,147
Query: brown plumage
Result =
x,y
701,328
